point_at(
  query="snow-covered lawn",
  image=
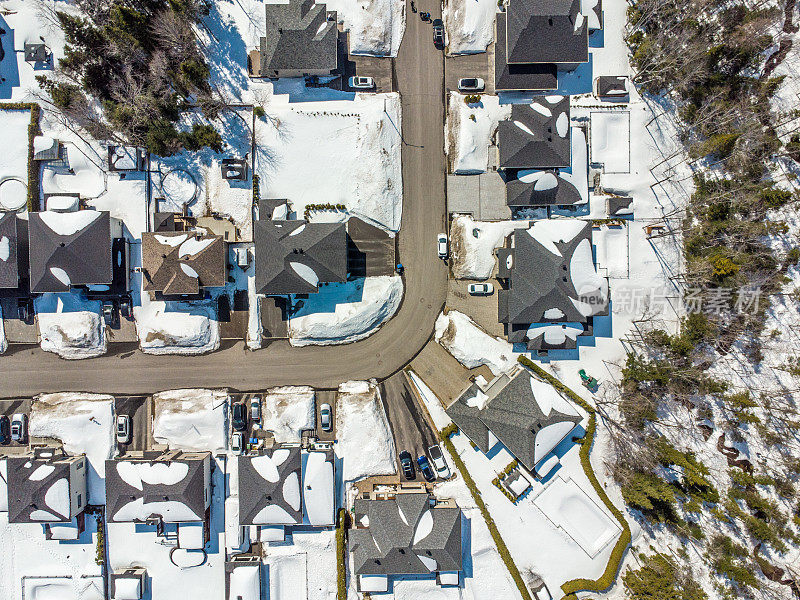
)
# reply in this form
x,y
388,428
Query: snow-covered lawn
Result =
x,y
611,140
365,443
469,130
84,423
375,26
334,152
345,312
70,325
305,569
287,412
14,159
472,245
192,419
176,327
469,25
471,345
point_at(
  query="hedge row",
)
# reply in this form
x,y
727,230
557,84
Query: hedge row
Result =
x,y
33,166
606,580
341,556
445,434
256,190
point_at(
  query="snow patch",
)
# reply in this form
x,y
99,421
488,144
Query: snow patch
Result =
x,y
471,345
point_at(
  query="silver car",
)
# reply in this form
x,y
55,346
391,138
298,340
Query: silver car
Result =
x,y
361,83
255,408
18,427
442,470
123,429
325,417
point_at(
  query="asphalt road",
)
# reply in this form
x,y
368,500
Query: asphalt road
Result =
x,y
26,371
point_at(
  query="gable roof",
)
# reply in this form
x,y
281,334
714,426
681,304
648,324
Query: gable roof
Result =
x,y
68,249
521,194
536,136
546,31
293,257
516,415
519,76
395,542
182,262
299,37
39,490
543,267
137,488
269,488
13,250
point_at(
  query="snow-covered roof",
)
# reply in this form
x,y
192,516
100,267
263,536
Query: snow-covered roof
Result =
x,y
181,263
13,250
537,135
405,536
173,486
529,417
245,582
293,257
318,497
70,248
39,489
269,488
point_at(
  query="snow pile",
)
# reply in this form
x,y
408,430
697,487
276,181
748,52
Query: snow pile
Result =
x,y
469,25
287,411
375,26
255,328
192,419
469,130
472,245
85,176
70,325
365,444
345,312
84,423
334,152
176,327
3,340
471,345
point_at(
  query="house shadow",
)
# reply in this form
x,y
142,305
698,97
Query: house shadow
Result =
x,y
576,82
9,68
329,296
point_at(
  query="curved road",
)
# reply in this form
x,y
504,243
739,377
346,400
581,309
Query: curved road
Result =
x,y
419,79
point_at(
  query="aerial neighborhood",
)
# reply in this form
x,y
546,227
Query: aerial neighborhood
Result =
x,y
470,300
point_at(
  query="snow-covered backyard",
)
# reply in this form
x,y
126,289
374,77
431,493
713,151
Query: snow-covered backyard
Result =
x,y
341,313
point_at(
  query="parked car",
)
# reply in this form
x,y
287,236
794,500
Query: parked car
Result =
x,y
125,307
5,429
442,470
255,408
425,467
407,464
441,245
109,314
239,416
25,310
325,417
237,442
18,427
438,33
480,289
361,83
124,429
471,84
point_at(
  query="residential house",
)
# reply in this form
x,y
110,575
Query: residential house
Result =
x,y
294,257
13,255
301,39
84,248
553,290
527,416
183,263
410,533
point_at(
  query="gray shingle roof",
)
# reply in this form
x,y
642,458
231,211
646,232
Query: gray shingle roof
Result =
x,y
255,492
189,491
512,414
522,76
522,195
387,547
546,31
162,262
83,255
26,495
13,250
611,86
531,138
539,280
299,37
291,254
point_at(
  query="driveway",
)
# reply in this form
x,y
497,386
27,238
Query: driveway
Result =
x,y
419,72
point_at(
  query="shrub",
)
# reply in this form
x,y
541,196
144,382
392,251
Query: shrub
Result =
x,y
341,555
659,578
259,112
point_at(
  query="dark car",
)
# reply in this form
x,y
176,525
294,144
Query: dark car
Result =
x,y
438,33
239,416
425,467
407,464
5,430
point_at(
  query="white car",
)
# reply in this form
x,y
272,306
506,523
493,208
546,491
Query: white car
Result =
x,y
361,83
441,245
237,442
442,470
123,429
480,289
325,417
471,84
18,429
